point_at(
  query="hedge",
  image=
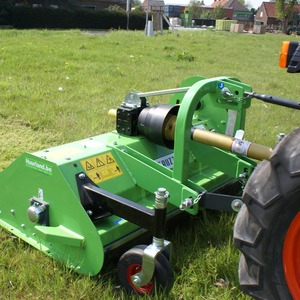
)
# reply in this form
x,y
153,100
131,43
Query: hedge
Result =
x,y
6,12
26,17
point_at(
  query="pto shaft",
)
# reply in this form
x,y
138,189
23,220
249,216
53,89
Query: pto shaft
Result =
x,y
231,144
158,125
221,141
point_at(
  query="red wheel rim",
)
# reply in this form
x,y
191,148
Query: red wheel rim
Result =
x,y
291,257
145,289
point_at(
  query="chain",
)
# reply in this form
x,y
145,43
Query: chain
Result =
x,y
198,198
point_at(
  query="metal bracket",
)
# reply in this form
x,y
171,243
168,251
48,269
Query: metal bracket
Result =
x,y
38,211
221,202
148,262
103,203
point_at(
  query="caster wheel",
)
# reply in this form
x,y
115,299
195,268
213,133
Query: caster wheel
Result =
x,y
130,263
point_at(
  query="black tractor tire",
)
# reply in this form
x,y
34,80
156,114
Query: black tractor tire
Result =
x,y
130,263
267,228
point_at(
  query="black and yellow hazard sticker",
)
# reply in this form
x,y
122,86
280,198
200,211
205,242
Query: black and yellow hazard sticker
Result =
x,y
101,167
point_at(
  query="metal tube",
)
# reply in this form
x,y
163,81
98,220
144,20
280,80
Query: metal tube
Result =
x,y
160,215
163,92
231,144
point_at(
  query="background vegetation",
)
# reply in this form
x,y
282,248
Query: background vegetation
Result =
x,y
27,17
57,86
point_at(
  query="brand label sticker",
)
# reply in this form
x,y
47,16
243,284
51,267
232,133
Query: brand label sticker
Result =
x,y
39,166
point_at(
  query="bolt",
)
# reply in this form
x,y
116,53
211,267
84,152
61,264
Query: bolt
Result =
x,y
161,191
23,226
89,212
236,205
161,197
187,203
136,280
81,176
12,211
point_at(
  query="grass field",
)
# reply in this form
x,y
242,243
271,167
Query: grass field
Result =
x,y
57,86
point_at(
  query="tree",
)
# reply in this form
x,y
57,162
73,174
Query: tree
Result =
x,y
195,8
137,5
285,11
219,12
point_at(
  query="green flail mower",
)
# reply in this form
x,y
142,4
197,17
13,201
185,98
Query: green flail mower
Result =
x,y
79,201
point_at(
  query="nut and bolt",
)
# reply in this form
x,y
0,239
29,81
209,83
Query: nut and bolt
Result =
x,y
236,205
161,196
187,203
81,176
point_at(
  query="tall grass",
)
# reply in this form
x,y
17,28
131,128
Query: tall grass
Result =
x,y
57,86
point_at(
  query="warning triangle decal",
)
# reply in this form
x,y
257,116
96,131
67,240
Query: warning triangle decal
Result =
x,y
99,163
109,160
88,166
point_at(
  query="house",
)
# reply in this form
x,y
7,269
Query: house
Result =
x,y
234,4
266,14
240,12
227,10
174,10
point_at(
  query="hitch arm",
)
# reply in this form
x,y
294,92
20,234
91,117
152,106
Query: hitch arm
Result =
x,y
274,100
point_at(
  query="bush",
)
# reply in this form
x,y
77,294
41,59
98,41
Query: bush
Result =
x,y
26,17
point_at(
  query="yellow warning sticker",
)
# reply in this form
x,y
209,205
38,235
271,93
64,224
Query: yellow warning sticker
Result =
x,y
101,167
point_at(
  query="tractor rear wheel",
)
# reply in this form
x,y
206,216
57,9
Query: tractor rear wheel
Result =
x,y
267,228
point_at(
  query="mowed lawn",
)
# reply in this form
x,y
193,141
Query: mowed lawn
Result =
x,y
57,87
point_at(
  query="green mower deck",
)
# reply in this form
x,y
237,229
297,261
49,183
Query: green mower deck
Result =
x,y
77,201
